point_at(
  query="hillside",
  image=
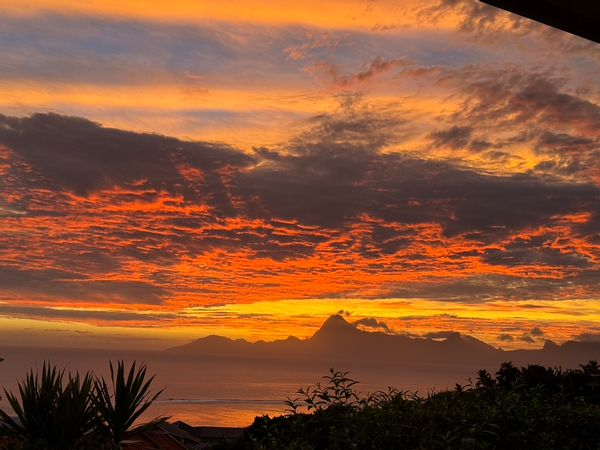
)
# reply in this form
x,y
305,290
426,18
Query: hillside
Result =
x,y
339,342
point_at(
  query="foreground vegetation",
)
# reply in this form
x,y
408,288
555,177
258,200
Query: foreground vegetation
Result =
x,y
56,411
531,407
519,408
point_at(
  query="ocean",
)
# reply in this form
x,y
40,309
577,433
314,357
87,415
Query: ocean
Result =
x,y
215,391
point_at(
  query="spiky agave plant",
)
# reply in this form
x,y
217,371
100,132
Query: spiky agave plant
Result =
x,y
51,414
124,402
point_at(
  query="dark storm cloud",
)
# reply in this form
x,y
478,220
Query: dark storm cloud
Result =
x,y
461,138
564,142
505,337
526,338
454,137
378,66
517,97
543,98
287,202
79,156
338,172
339,78
530,337
325,178
530,107
481,288
535,253
73,314
43,283
12,277
371,322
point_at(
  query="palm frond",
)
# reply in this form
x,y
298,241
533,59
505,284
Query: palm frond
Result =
x,y
121,405
51,412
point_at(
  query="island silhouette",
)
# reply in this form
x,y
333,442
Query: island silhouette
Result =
x,y
340,343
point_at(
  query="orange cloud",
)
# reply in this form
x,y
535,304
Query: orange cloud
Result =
x,y
337,155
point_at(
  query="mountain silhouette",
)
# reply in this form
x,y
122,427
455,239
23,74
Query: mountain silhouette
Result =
x,y
340,343
334,328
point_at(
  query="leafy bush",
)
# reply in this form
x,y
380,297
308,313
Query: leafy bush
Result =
x,y
531,407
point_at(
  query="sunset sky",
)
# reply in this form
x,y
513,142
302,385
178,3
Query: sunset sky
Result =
x,y
170,170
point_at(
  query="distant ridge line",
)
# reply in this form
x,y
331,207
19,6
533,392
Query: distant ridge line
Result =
x,y
339,341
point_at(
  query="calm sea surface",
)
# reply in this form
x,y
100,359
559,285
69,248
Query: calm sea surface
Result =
x,y
210,392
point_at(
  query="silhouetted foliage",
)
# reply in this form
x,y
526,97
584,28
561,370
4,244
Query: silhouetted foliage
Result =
x,y
531,407
122,404
59,412
507,375
50,412
591,368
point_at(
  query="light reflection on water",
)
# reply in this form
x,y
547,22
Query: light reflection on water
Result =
x,y
215,392
221,412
